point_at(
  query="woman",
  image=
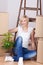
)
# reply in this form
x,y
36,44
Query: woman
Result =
x,y
24,32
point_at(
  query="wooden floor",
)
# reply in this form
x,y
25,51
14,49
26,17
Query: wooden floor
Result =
x,y
2,62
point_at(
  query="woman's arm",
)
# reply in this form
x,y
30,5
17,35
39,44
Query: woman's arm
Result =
x,y
32,40
13,30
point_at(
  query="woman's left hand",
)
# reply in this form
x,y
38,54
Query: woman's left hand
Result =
x,y
33,46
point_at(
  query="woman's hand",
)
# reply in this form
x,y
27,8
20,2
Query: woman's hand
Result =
x,y
33,46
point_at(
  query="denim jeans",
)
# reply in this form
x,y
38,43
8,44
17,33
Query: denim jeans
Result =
x,y
22,52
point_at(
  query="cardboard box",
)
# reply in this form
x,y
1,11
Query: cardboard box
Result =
x,y
40,51
3,29
39,26
3,22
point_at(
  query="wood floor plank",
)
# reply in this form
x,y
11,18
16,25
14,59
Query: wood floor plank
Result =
x,y
2,62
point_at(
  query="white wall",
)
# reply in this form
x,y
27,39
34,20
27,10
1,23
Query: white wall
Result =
x,y
12,7
3,5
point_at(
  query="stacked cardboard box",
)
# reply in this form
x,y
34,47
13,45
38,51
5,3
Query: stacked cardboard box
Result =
x,y
39,35
3,28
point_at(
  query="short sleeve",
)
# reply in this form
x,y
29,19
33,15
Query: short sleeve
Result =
x,y
31,29
19,28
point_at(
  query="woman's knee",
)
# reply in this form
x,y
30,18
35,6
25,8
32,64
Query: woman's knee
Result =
x,y
19,40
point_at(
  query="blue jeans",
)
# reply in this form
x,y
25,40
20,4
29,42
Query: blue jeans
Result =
x,y
22,52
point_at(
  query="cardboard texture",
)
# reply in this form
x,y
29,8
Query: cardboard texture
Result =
x,y
40,51
3,23
39,26
3,29
39,33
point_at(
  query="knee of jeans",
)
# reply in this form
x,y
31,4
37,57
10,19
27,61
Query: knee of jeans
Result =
x,y
19,40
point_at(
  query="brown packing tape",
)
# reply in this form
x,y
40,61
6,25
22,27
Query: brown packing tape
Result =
x,y
40,51
39,26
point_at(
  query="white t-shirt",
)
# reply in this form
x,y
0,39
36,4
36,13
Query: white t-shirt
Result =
x,y
25,35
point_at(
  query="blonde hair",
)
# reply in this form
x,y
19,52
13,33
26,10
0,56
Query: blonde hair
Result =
x,y
21,19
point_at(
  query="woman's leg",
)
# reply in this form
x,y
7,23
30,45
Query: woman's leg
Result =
x,y
28,54
18,49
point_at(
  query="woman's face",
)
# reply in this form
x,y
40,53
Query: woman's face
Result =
x,y
24,22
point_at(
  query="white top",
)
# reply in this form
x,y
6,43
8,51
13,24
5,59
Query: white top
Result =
x,y
24,35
